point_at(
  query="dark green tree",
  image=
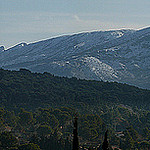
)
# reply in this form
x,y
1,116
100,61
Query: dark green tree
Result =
x,y
75,135
50,143
26,117
67,145
128,142
44,130
30,146
105,145
7,140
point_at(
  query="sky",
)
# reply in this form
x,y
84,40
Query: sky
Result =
x,y
34,20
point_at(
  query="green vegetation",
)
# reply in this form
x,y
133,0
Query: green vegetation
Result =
x,y
32,90
29,146
37,111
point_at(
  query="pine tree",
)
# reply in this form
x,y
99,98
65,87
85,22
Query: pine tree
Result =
x,y
105,145
75,135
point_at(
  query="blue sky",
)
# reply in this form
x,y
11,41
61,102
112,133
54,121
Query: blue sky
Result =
x,y
33,20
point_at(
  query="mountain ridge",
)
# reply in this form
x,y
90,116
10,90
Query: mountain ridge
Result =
x,y
115,55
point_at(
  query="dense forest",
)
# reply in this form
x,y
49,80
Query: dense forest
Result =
x,y
37,112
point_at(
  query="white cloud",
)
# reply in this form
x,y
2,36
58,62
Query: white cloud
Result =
x,y
77,18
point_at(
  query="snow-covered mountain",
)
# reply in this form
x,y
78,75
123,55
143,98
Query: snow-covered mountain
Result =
x,y
119,55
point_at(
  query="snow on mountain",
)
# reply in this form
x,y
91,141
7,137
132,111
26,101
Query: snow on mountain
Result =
x,y
119,55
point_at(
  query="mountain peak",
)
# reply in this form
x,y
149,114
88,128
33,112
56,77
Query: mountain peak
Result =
x,y
2,48
20,45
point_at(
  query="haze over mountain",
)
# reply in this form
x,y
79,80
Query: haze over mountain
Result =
x,y
118,55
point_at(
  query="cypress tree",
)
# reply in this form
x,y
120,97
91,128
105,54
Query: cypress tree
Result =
x,y
75,135
105,145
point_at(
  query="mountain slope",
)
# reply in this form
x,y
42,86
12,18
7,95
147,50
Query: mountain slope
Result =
x,y
121,55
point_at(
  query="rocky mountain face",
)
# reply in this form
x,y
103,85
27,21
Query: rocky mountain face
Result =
x,y
119,55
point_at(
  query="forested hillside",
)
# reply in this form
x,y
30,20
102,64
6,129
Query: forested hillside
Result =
x,y
36,89
37,111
